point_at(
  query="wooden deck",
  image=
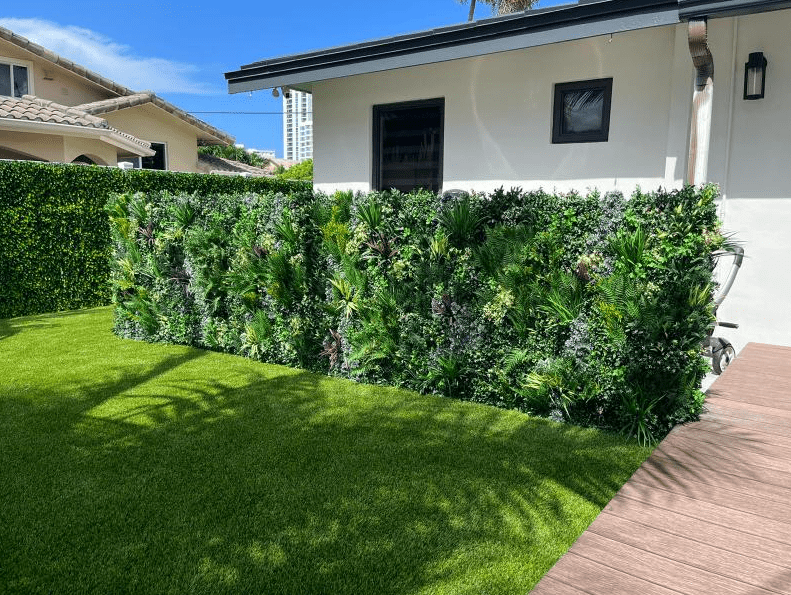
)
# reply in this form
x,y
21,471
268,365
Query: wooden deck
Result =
x,y
710,511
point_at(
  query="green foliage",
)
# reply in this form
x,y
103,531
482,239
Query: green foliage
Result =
x,y
234,153
300,171
55,243
590,309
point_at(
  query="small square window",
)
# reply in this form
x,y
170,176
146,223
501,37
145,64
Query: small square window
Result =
x,y
581,112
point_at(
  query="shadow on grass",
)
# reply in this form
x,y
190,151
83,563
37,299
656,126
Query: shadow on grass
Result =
x,y
11,326
207,473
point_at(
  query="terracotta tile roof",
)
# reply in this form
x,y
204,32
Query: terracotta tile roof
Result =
x,y
219,165
217,135
116,103
35,109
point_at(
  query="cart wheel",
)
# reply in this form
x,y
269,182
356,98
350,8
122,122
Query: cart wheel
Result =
x,y
722,354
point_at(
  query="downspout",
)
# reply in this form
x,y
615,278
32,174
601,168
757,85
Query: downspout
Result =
x,y
700,133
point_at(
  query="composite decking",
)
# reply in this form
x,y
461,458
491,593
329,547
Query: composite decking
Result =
x,y
710,511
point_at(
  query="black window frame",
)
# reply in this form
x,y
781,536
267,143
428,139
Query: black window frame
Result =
x,y
376,178
601,135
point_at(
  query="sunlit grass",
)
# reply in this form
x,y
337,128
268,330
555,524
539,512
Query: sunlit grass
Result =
x,y
127,467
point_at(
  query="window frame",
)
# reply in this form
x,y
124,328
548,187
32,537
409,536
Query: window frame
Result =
x,y
27,64
595,136
376,136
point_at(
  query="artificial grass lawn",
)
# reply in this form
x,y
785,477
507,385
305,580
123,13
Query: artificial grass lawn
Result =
x,y
127,467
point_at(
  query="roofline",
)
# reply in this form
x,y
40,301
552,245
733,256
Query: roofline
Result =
x,y
695,9
50,56
530,28
108,135
211,134
498,34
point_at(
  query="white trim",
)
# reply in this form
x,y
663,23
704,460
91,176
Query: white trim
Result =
x,y
110,136
31,86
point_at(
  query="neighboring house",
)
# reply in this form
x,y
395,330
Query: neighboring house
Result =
x,y
52,109
610,94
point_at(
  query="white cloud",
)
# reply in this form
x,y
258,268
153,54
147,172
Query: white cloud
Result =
x,y
110,59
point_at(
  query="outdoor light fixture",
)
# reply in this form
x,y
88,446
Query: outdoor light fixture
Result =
x,y
275,92
755,76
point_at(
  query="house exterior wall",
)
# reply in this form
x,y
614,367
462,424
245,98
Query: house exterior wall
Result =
x,y
498,118
150,123
99,152
63,149
750,158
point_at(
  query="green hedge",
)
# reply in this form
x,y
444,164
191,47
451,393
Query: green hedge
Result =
x,y
590,309
54,237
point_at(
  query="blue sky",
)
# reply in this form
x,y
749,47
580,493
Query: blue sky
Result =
x,y
180,50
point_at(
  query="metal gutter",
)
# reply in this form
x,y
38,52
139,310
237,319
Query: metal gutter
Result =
x,y
695,9
700,127
498,34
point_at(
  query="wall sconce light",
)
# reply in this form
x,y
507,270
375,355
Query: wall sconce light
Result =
x,y
755,76
275,92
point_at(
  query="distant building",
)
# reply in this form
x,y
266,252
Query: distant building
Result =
x,y
263,153
297,126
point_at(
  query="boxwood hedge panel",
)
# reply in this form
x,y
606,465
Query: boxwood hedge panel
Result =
x,y
54,236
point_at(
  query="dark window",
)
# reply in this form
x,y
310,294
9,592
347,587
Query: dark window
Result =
x,y
581,112
407,145
13,80
5,79
158,161
20,81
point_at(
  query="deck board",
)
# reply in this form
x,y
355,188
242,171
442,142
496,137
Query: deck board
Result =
x,y
710,511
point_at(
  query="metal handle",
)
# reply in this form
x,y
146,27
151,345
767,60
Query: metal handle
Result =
x,y
738,257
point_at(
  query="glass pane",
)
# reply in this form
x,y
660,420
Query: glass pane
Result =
x,y
411,148
155,161
5,79
20,81
583,110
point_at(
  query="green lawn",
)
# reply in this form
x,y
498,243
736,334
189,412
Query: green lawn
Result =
x,y
127,467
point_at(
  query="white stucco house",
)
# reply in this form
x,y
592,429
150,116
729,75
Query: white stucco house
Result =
x,y
611,94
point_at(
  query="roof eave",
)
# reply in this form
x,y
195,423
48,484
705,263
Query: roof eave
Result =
x,y
529,29
695,9
108,135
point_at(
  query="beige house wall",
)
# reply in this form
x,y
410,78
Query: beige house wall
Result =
x,y
62,149
150,123
46,147
99,152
